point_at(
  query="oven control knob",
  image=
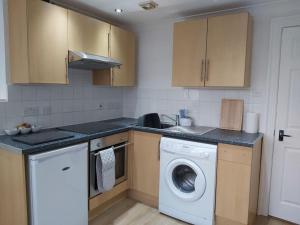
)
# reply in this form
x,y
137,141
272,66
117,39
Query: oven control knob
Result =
x,y
99,145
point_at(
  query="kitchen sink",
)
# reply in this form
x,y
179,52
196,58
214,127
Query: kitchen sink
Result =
x,y
180,129
190,130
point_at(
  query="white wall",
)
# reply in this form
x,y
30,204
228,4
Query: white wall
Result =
x,y
155,94
58,105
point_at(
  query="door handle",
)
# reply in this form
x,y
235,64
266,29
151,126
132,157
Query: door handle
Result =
x,y
66,168
282,135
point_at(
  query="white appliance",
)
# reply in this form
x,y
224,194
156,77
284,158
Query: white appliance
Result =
x,y
59,186
187,180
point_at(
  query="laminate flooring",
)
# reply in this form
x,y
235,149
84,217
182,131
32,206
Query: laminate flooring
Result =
x,y
130,212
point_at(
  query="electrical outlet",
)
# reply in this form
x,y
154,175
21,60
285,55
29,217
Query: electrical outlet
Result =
x,y
31,111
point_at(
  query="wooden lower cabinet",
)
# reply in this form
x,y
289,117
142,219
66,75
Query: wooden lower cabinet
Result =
x,y
144,167
238,173
13,204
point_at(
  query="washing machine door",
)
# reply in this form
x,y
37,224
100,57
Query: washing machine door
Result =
x,y
185,179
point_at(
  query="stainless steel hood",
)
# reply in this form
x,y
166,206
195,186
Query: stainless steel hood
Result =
x,y
82,60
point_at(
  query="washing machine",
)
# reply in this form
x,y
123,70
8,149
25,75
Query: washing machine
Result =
x,y
187,180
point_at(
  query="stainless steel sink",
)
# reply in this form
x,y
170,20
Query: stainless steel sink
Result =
x,y
190,130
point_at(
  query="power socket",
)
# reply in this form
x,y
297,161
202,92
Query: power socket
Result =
x,y
31,111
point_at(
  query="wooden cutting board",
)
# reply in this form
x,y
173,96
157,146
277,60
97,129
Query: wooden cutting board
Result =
x,y
232,113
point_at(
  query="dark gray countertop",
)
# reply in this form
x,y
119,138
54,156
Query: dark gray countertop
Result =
x,y
8,143
215,136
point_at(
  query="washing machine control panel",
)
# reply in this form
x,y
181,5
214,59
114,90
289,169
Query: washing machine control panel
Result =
x,y
186,150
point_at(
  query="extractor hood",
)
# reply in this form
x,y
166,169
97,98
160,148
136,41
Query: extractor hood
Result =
x,y
86,61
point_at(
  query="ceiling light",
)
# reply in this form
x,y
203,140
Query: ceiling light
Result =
x,y
148,5
118,10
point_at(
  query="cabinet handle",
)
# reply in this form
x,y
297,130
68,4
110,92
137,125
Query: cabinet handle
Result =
x,y
207,70
67,68
202,67
108,40
158,153
112,76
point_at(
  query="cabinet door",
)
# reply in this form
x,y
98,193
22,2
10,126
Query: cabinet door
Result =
x,y
87,34
18,42
233,188
13,204
234,182
47,42
189,50
144,165
122,47
228,50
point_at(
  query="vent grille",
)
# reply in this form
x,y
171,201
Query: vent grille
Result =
x,y
149,5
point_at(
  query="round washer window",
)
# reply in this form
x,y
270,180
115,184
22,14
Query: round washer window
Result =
x,y
184,178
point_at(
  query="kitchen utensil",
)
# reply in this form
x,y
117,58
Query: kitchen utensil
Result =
x,y
150,120
25,130
35,129
12,132
232,112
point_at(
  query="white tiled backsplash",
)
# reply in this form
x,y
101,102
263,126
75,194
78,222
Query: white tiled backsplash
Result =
x,y
58,105
204,105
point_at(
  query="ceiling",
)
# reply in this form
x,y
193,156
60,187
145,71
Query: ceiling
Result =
x,y
167,8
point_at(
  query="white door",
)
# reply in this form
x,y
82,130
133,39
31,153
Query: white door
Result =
x,y
285,184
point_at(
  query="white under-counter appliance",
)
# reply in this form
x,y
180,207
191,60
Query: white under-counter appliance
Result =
x,y
187,180
58,186
119,142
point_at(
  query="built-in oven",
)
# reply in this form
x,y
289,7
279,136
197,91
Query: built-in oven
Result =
x,y
120,143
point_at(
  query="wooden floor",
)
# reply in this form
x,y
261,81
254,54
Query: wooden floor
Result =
x,y
129,212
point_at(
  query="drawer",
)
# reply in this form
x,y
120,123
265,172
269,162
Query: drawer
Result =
x,y
109,140
233,153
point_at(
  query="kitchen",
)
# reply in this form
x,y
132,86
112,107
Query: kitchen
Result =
x,y
86,96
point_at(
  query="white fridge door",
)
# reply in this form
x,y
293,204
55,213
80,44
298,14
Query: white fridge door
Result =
x,y
59,187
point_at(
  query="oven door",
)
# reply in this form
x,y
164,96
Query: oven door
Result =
x,y
120,168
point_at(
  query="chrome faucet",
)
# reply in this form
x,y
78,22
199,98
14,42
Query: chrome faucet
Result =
x,y
176,120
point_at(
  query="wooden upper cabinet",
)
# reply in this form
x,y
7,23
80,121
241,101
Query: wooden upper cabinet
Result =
x,y
228,50
122,48
87,34
38,42
47,42
18,42
189,52
213,52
